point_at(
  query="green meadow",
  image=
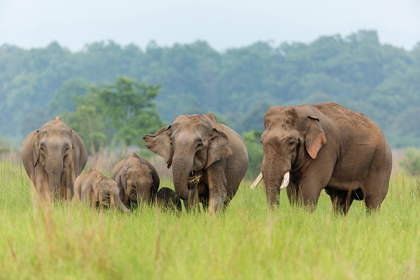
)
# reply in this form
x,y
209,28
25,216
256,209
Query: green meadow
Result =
x,y
67,241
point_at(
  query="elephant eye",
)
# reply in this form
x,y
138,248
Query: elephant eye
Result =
x,y
199,144
292,142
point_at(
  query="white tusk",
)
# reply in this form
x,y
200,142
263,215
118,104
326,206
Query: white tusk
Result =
x,y
257,181
285,181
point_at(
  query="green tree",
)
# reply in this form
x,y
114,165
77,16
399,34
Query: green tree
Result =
x,y
32,121
255,153
121,112
89,125
63,100
128,109
411,161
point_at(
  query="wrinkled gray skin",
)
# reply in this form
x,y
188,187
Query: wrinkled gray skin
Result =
x,y
325,146
97,190
201,144
167,199
53,156
137,180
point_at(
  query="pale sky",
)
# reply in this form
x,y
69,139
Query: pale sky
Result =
x,y
223,24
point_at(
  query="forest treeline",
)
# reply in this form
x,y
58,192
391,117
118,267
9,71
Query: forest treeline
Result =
x,y
239,84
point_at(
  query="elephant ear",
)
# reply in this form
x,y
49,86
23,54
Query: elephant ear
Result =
x,y
35,149
218,148
315,137
160,143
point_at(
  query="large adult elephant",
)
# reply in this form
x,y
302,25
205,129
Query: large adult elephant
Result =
x,y
309,148
53,156
209,160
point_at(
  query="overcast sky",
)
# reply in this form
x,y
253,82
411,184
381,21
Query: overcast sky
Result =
x,y
222,23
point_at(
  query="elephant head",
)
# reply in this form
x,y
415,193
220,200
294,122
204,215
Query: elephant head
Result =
x,y
53,149
190,143
293,137
106,193
138,183
167,199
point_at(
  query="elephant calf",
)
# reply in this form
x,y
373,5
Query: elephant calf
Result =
x,y
167,199
94,188
137,180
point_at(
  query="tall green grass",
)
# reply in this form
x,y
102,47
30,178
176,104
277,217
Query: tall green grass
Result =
x,y
66,241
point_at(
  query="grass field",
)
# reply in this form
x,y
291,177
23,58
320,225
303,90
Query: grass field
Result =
x,y
64,241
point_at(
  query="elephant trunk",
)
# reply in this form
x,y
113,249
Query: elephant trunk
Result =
x,y
54,177
276,177
144,193
115,199
181,169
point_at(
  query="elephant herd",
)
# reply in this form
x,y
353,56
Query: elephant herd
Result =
x,y
307,149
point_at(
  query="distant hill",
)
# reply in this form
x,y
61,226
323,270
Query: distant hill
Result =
x,y
239,85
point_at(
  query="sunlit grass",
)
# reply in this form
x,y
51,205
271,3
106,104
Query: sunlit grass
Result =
x,y
65,241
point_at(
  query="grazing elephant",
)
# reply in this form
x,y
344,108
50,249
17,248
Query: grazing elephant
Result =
x,y
324,146
53,156
137,180
208,159
167,199
97,190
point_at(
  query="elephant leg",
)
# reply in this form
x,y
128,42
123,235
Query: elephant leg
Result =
x,y
313,181
66,186
341,200
191,204
203,195
205,202
376,183
217,187
375,189
310,188
42,185
373,200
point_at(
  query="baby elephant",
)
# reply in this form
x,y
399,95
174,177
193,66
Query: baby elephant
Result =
x,y
94,188
137,180
167,199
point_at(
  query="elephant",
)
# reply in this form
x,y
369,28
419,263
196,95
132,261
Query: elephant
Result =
x,y
53,156
208,159
167,199
97,190
137,180
309,148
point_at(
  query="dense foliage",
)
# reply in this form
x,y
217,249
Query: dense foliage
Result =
x,y
239,84
122,112
411,161
255,153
